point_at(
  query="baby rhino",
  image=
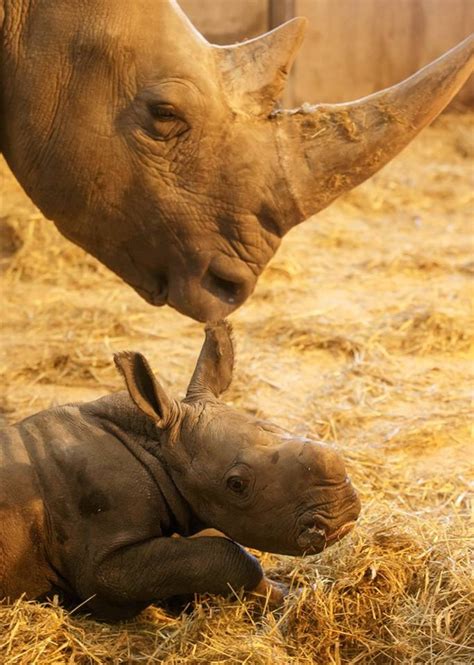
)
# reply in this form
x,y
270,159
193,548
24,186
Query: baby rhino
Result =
x,y
91,494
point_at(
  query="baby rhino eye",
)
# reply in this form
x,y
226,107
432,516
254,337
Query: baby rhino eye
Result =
x,y
237,484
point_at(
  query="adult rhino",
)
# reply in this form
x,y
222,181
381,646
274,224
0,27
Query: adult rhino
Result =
x,y
167,157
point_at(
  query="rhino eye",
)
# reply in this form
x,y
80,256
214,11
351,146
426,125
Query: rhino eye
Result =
x,y
162,111
237,484
165,122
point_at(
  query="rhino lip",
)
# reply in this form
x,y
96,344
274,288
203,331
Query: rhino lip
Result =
x,y
339,534
315,539
157,297
312,540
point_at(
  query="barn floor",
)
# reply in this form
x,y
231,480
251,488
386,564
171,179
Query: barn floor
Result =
x,y
359,332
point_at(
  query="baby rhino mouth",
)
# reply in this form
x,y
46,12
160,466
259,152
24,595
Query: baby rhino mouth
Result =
x,y
316,538
339,533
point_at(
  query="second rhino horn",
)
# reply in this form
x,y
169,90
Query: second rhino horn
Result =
x,y
254,72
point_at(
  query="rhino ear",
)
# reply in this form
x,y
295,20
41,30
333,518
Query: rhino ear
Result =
x,y
215,364
143,387
255,71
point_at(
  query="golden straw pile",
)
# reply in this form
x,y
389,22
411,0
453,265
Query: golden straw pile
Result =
x,y
360,332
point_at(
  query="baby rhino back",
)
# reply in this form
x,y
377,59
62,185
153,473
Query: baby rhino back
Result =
x,y
75,484
23,567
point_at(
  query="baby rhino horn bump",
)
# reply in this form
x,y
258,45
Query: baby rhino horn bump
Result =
x,y
143,387
213,373
255,71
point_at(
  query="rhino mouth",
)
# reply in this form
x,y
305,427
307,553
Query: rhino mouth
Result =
x,y
158,296
315,539
336,536
312,540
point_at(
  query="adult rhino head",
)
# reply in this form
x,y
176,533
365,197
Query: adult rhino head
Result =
x,y
167,157
255,482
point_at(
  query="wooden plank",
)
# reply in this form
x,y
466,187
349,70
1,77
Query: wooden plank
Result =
x,y
227,21
354,47
280,11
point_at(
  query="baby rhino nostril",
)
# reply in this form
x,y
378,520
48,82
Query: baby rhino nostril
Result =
x,y
312,537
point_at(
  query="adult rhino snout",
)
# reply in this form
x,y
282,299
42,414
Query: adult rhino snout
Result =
x,y
213,289
202,280
228,280
204,294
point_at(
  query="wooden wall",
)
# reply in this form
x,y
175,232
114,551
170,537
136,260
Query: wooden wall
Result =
x,y
352,47
228,21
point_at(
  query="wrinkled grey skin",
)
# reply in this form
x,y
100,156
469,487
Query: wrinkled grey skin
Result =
x,y
166,157
90,494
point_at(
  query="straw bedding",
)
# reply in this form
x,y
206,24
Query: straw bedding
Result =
x,y
360,332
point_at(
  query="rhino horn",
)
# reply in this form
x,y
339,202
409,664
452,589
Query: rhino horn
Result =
x,y
177,23
255,71
326,150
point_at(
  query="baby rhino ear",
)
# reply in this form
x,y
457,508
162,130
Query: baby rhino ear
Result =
x,y
215,364
143,387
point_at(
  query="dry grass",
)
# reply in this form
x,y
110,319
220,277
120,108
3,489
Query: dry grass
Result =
x,y
360,332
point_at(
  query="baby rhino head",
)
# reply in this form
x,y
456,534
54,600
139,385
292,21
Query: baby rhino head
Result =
x,y
252,480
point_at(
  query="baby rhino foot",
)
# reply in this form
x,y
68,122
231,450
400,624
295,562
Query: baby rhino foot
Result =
x,y
271,592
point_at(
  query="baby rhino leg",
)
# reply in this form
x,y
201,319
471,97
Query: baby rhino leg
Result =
x,y
137,575
23,567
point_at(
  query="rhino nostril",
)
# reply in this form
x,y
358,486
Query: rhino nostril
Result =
x,y
226,289
160,292
308,521
311,525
